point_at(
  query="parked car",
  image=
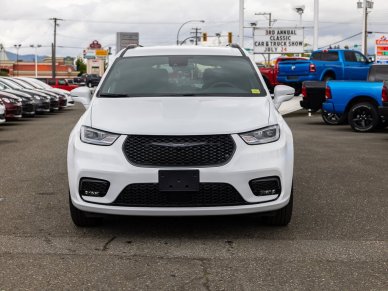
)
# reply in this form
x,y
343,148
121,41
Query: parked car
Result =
x,y
270,74
62,100
59,83
2,112
42,85
359,101
91,80
181,131
13,106
42,101
325,65
54,99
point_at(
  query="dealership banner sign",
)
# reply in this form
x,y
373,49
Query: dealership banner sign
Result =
x,y
279,40
381,49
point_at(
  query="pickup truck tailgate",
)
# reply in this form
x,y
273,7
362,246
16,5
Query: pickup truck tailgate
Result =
x,y
293,69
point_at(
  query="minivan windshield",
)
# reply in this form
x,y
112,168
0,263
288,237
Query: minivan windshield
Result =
x,y
182,75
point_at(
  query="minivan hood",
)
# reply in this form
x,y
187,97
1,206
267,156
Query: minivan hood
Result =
x,y
179,115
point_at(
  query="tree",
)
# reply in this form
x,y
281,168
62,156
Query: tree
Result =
x,y
81,66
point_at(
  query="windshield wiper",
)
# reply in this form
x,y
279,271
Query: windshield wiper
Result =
x,y
113,95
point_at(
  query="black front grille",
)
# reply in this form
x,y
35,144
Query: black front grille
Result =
x,y
175,151
29,108
209,194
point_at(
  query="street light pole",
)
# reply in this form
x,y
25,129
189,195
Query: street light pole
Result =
x,y
316,24
365,4
36,58
179,30
17,46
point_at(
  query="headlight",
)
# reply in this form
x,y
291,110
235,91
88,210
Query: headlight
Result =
x,y
97,137
263,135
6,100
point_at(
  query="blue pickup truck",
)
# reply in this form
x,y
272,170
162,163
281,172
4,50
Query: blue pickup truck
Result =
x,y
324,65
360,102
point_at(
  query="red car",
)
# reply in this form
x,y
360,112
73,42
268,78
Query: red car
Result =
x,y
13,106
59,83
270,74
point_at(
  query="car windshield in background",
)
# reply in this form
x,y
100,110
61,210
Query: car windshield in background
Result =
x,y
182,76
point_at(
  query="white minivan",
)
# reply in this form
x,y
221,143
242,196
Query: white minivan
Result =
x,y
181,131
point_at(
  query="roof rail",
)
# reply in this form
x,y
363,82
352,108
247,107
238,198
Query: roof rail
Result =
x,y
237,46
131,46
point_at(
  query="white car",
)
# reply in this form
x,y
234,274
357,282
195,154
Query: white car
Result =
x,y
2,112
181,131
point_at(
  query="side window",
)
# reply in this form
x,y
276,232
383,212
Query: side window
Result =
x,y
360,58
51,82
61,82
350,57
330,56
316,56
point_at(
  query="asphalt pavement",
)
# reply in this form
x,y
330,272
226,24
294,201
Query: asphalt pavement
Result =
x,y
337,238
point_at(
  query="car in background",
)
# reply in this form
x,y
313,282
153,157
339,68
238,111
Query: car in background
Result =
x,y
359,101
41,85
270,74
91,80
325,65
42,101
2,112
59,83
13,106
62,99
54,99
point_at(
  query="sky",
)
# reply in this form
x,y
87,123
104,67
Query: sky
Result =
x,y
26,22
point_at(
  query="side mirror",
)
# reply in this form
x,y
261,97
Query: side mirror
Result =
x,y
82,95
282,93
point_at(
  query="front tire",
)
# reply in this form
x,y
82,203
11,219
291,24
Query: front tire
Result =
x,y
81,219
363,117
281,217
333,118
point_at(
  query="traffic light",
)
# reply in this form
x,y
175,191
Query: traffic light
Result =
x,y
204,37
230,37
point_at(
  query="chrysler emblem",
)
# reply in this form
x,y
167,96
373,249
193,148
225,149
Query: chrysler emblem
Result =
x,y
178,145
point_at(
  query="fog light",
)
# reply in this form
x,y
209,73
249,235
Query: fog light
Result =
x,y
266,186
93,187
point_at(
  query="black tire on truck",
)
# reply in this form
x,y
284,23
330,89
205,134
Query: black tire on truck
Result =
x,y
81,218
363,117
328,77
333,118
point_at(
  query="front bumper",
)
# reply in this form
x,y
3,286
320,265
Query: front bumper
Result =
x,y
248,163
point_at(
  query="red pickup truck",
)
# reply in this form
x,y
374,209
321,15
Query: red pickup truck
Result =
x,y
270,74
59,83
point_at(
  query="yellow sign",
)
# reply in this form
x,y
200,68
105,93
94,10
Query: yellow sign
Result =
x,y
101,53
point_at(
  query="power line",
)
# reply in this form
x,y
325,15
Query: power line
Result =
x,y
354,35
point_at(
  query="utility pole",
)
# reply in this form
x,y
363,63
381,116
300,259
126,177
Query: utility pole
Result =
x,y
54,46
365,29
196,32
365,5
